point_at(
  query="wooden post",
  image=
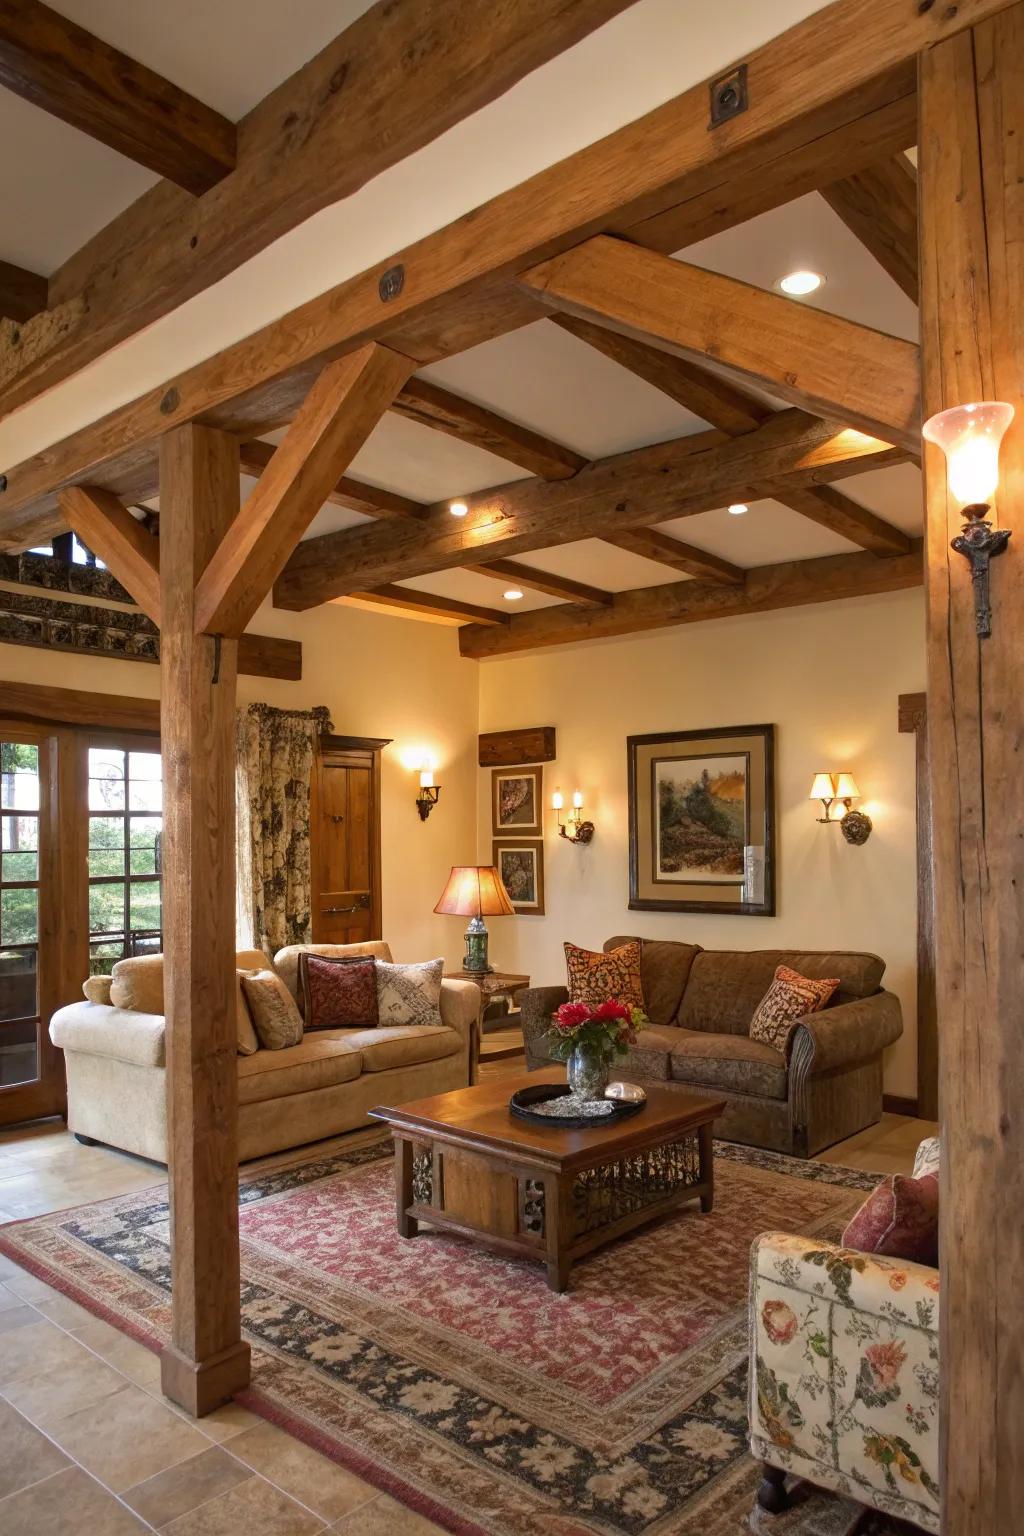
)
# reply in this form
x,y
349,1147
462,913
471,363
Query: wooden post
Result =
x,y
206,1362
971,164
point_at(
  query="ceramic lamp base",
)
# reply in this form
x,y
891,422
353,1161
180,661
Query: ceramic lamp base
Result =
x,y
475,960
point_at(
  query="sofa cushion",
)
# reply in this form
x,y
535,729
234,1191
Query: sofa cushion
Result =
x,y
594,976
314,1063
337,991
398,1045
96,989
274,1011
664,969
790,998
900,1218
731,1063
138,984
651,1057
726,985
409,994
286,961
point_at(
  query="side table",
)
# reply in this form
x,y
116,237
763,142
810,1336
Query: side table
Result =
x,y
492,984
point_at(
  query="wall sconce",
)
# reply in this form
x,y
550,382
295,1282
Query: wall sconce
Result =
x,y
429,792
574,829
970,437
830,787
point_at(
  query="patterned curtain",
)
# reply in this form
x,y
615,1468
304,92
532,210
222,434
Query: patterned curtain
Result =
x,y
275,749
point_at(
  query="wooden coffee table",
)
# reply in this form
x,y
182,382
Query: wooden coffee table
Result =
x,y
465,1164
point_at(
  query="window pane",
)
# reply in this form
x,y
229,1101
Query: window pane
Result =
x,y
19,776
19,1053
104,955
19,832
19,866
144,832
106,861
19,917
144,912
106,908
106,779
17,985
145,788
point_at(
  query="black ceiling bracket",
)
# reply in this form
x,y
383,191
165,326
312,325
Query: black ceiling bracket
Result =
x,y
728,96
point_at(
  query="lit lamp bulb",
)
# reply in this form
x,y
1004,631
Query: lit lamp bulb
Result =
x,y
577,800
970,437
557,800
426,777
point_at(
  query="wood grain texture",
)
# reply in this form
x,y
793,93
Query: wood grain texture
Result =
x,y
507,749
879,204
972,290
399,76
913,717
698,563
430,406
22,293
73,706
533,580
338,415
372,500
206,1360
791,584
630,490
430,606
831,508
59,66
805,356
108,529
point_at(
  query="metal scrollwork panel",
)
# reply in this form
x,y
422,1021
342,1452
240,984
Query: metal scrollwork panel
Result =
x,y
603,1195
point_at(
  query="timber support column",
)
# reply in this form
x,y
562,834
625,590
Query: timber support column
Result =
x,y
971,165
206,1361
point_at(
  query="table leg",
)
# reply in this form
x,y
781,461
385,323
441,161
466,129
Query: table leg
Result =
x,y
475,1043
407,1225
558,1227
707,1166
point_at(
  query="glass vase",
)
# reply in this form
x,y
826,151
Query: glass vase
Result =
x,y
587,1072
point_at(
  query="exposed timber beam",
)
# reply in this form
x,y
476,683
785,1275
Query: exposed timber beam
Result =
x,y
399,76
128,551
59,66
789,585
630,490
831,508
428,605
879,204
431,406
254,457
22,294
542,581
339,413
697,563
813,360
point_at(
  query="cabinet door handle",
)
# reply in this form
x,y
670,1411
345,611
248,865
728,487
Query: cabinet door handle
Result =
x,y
337,911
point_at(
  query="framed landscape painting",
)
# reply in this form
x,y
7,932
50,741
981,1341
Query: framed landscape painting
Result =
x,y
702,821
521,867
517,802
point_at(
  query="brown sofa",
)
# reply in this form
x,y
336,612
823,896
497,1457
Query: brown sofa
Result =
x,y
700,1002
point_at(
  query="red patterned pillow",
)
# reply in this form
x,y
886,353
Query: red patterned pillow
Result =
x,y
338,993
900,1218
788,998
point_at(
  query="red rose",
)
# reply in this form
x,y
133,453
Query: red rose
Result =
x,y
612,1009
570,1015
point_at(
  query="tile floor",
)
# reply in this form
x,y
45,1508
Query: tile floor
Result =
x,y
87,1442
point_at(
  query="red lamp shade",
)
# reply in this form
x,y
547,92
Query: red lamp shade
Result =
x,y
475,891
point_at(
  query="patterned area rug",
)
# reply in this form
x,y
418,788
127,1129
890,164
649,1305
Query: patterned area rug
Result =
x,y
457,1380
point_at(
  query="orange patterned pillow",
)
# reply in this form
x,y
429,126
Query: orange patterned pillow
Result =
x,y
595,976
788,998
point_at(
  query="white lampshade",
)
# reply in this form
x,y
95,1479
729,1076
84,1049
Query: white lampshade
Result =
x,y
846,787
822,787
969,436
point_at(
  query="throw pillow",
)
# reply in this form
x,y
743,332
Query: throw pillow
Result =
x,y
900,1218
596,976
97,989
337,993
274,1010
928,1157
246,1040
788,998
409,994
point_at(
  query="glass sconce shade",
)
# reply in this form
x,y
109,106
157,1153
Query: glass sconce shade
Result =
x,y
970,437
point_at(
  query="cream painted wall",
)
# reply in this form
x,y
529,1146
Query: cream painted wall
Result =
x,y
827,677
379,676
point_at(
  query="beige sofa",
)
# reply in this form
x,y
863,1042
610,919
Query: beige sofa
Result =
x,y
114,1058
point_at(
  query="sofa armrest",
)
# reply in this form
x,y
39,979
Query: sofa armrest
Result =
x,y
460,1007
843,1036
95,1029
892,1290
536,1005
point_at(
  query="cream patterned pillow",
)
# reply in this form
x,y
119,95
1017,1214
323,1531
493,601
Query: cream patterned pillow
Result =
x,y
274,1011
409,994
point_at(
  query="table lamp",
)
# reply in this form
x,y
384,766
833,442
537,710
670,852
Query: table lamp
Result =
x,y
476,892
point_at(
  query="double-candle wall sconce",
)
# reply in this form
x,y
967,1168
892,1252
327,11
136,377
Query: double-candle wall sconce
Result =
x,y
833,788
573,828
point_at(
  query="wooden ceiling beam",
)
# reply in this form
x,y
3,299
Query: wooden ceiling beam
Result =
x,y
831,508
697,563
371,500
879,205
430,406
428,605
22,293
533,580
60,67
816,361
130,553
340,412
630,490
791,584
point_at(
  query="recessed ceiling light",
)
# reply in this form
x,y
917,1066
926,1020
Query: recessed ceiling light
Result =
x,y
799,283
738,508
457,508
512,595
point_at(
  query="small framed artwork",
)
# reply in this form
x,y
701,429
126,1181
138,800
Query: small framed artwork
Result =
x,y
517,802
521,867
702,821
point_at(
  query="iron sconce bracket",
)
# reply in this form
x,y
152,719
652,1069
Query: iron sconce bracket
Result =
x,y
978,542
427,799
582,831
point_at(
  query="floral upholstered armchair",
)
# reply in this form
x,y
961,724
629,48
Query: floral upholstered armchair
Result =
x,y
844,1352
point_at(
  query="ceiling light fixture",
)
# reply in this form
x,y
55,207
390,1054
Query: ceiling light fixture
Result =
x,y
457,508
797,284
738,508
513,595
